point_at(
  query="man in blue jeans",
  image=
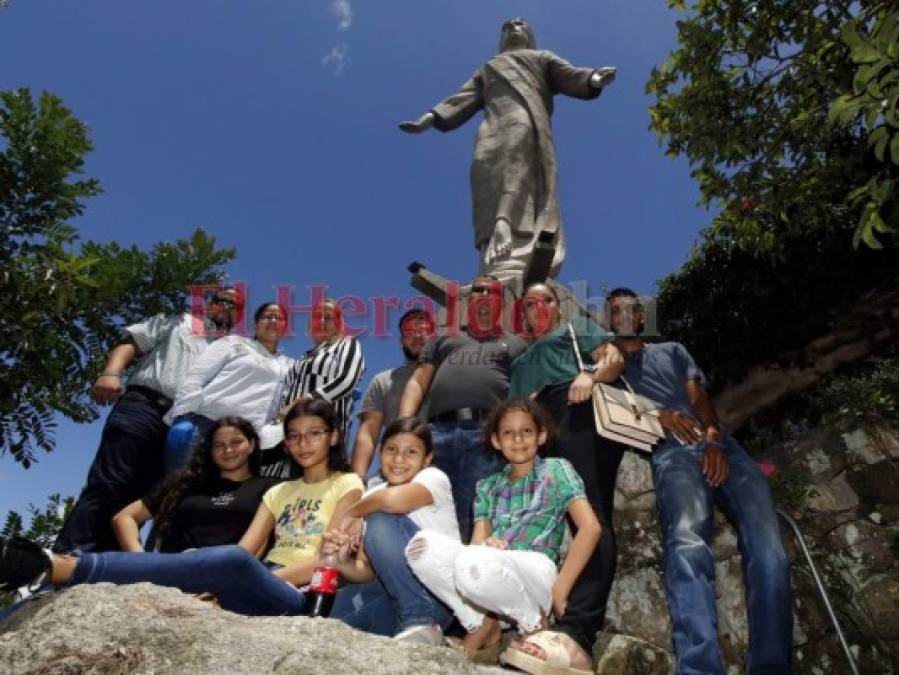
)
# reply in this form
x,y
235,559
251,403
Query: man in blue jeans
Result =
x,y
695,467
465,375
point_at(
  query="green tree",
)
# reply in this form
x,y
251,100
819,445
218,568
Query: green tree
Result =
x,y
63,301
764,99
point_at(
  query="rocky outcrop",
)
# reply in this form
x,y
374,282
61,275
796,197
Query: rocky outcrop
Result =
x,y
147,629
851,339
848,486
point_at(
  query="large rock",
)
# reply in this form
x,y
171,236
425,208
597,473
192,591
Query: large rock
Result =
x,y
834,495
624,655
876,483
142,628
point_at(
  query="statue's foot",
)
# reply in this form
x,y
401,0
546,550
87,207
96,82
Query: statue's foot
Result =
x,y
500,245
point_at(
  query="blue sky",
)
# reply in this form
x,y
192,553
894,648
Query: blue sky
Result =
x,y
273,126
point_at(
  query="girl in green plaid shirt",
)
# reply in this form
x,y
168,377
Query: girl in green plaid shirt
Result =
x,y
510,567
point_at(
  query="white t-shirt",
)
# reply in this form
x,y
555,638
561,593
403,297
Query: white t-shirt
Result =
x,y
441,515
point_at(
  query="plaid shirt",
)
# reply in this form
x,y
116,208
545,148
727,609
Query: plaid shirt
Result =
x,y
529,513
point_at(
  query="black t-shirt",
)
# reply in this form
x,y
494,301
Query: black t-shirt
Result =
x,y
471,372
216,516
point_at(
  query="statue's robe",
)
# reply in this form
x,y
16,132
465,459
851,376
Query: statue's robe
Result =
x,y
513,174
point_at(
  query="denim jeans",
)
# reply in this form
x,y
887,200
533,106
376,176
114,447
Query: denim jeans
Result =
x,y
127,466
596,460
241,583
685,502
185,436
461,455
396,600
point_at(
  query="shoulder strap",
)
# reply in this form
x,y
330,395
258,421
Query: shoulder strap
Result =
x,y
577,351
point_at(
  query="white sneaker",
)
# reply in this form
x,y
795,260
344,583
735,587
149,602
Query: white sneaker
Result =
x,y
425,635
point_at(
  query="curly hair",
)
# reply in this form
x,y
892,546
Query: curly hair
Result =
x,y
200,473
318,407
528,406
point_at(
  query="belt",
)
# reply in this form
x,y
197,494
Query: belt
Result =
x,y
152,396
460,415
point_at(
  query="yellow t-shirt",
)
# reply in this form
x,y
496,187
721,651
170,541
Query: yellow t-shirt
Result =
x,y
302,511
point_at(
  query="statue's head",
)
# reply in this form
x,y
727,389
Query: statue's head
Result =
x,y
517,34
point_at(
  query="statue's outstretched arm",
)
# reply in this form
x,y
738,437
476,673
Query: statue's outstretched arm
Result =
x,y
423,123
602,76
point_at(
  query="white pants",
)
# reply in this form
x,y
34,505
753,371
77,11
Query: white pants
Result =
x,y
473,580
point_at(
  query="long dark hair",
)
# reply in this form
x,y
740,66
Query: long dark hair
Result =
x,y
410,425
528,406
319,407
200,473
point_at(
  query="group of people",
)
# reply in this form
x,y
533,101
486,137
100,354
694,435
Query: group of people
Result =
x,y
495,502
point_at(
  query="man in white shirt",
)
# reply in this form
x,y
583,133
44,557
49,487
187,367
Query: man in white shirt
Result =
x,y
129,460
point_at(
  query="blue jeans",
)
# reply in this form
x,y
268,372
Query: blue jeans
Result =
x,y
241,583
127,466
686,502
461,455
185,436
396,600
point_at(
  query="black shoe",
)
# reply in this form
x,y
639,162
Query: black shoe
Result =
x,y
22,563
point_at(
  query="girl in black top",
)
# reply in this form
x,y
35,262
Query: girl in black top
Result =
x,y
208,502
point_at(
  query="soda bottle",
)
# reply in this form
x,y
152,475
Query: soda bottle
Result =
x,y
322,588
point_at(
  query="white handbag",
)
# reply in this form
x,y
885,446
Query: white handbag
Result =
x,y
622,415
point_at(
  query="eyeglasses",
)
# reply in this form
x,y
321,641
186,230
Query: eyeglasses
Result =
x,y
310,437
481,290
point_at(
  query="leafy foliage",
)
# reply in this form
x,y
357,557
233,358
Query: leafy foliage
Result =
x,y
748,97
873,106
62,302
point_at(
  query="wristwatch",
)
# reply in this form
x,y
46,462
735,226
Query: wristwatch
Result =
x,y
589,368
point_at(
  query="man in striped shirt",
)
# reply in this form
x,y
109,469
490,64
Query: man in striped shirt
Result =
x,y
129,460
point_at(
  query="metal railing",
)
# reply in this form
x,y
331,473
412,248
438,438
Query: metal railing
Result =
x,y
823,591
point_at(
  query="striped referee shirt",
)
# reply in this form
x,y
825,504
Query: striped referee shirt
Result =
x,y
330,370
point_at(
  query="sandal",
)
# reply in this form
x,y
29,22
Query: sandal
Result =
x,y
558,661
488,656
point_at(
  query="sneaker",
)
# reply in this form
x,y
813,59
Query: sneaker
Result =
x,y
22,563
424,635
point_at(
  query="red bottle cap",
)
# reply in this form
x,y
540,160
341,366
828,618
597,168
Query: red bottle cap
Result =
x,y
324,580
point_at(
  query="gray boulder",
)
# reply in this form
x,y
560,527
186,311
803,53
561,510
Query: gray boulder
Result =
x,y
143,628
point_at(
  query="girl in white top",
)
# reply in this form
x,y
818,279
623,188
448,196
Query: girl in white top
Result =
x,y
234,376
414,496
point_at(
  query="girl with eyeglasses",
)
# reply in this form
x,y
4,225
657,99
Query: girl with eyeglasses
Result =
x,y
295,513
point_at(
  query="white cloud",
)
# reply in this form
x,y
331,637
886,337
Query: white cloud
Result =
x,y
337,58
344,13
